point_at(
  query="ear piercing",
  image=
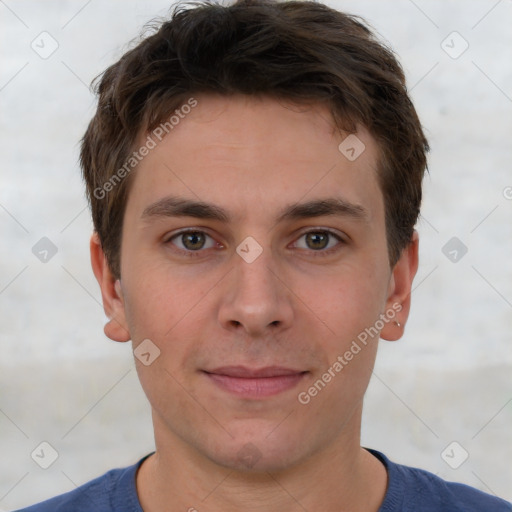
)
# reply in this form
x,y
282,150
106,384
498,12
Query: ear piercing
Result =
x,y
398,324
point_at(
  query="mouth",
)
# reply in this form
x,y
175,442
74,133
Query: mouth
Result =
x,y
255,383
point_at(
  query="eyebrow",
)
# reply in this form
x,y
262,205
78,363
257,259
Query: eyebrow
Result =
x,y
173,206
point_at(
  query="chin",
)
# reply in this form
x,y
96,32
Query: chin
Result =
x,y
259,453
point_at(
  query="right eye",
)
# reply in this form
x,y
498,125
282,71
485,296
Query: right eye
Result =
x,y
192,241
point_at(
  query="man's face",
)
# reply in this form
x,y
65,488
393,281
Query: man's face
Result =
x,y
243,334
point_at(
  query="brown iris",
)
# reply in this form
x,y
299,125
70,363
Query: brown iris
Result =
x,y
317,240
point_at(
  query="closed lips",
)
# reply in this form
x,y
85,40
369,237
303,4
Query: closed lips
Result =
x,y
242,372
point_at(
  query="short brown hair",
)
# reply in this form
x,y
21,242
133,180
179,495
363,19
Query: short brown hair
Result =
x,y
302,51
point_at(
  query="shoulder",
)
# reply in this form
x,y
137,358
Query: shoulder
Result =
x,y
115,491
414,489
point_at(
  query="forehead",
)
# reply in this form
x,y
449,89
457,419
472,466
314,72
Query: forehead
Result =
x,y
243,153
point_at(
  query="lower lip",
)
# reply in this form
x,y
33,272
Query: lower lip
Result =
x,y
256,388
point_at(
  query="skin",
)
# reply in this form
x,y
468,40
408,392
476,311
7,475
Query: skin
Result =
x,y
296,305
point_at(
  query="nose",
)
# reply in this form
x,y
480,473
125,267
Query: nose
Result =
x,y
256,300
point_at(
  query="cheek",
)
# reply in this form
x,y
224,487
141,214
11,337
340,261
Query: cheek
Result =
x,y
158,298
348,302
174,313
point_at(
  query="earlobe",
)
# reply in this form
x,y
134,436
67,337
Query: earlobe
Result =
x,y
113,304
398,302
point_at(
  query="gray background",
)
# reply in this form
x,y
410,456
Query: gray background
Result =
x,y
448,379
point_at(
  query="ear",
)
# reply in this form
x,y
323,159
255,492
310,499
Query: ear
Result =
x,y
116,328
399,291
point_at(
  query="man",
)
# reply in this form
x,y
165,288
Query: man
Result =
x,y
254,174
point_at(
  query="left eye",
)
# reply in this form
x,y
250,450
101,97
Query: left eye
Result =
x,y
193,240
318,240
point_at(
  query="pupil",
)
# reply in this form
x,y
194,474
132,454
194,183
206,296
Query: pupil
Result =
x,y
193,241
316,240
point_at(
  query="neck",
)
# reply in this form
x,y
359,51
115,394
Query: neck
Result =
x,y
343,477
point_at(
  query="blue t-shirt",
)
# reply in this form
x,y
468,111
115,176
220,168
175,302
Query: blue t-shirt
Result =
x,y
409,490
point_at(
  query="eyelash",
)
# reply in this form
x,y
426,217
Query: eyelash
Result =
x,y
198,253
